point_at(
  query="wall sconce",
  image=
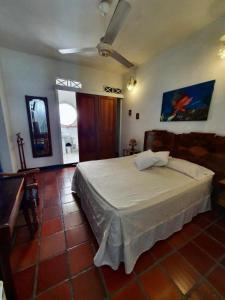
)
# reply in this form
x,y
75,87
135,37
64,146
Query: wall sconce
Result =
x,y
221,51
131,83
103,7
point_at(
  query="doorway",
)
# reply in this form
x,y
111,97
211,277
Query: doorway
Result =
x,y
68,125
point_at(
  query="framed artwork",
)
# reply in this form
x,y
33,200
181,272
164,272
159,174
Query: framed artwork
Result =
x,y
187,104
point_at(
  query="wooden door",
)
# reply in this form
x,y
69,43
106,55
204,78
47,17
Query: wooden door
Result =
x,y
87,126
106,127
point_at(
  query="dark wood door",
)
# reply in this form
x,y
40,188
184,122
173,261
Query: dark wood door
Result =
x,y
106,127
87,126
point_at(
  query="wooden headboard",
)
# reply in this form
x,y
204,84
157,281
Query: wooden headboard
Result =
x,y
206,149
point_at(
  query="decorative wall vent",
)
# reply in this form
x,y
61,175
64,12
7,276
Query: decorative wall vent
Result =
x,y
109,89
68,83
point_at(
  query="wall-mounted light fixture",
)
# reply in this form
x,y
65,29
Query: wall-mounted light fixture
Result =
x,y
131,83
221,51
103,7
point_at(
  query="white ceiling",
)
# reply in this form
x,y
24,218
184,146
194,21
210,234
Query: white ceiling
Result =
x,y
42,26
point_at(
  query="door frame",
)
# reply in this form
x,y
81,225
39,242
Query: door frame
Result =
x,y
62,88
76,90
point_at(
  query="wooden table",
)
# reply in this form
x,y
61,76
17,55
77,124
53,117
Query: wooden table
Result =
x,y
11,194
127,152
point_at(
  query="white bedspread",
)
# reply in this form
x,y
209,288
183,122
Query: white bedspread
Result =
x,y
129,210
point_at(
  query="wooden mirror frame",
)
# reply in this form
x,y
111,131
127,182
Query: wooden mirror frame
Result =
x,y
45,100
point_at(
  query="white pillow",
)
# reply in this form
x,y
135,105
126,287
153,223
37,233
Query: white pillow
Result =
x,y
145,160
148,159
162,156
188,168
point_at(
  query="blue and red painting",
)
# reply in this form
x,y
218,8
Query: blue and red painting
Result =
x,y
188,104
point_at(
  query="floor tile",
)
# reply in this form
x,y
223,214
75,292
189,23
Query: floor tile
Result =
x,y
144,261
201,261
51,191
48,275
23,235
217,279
212,215
70,207
52,245
24,256
20,220
221,223
80,258
204,292
51,226
131,292
158,286
115,279
67,198
24,283
53,201
181,272
211,246
65,191
73,219
51,212
218,233
77,235
51,179
223,262
190,230
88,286
59,292
178,239
64,183
161,249
201,221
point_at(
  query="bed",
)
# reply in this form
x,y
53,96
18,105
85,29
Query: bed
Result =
x,y
127,214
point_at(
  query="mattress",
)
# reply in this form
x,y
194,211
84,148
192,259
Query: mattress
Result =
x,y
129,210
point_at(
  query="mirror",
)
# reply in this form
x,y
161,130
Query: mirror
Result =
x,y
40,136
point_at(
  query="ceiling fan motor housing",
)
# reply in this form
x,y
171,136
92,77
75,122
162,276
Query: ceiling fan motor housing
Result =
x,y
104,49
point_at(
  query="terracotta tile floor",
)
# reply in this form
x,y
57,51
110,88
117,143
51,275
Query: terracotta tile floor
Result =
x,y
58,263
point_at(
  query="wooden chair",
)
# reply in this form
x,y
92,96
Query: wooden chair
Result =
x,y
31,197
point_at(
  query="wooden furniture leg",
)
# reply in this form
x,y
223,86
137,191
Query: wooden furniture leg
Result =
x,y
38,198
34,216
28,221
6,273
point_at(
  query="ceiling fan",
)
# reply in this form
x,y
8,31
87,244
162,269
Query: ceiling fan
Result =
x,y
104,47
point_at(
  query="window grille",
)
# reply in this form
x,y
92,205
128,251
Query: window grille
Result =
x,y
69,83
109,89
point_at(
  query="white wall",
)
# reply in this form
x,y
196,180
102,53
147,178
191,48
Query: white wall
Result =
x,y
193,61
6,146
5,159
26,74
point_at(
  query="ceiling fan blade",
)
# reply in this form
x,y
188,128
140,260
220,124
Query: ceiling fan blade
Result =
x,y
83,51
121,59
116,22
